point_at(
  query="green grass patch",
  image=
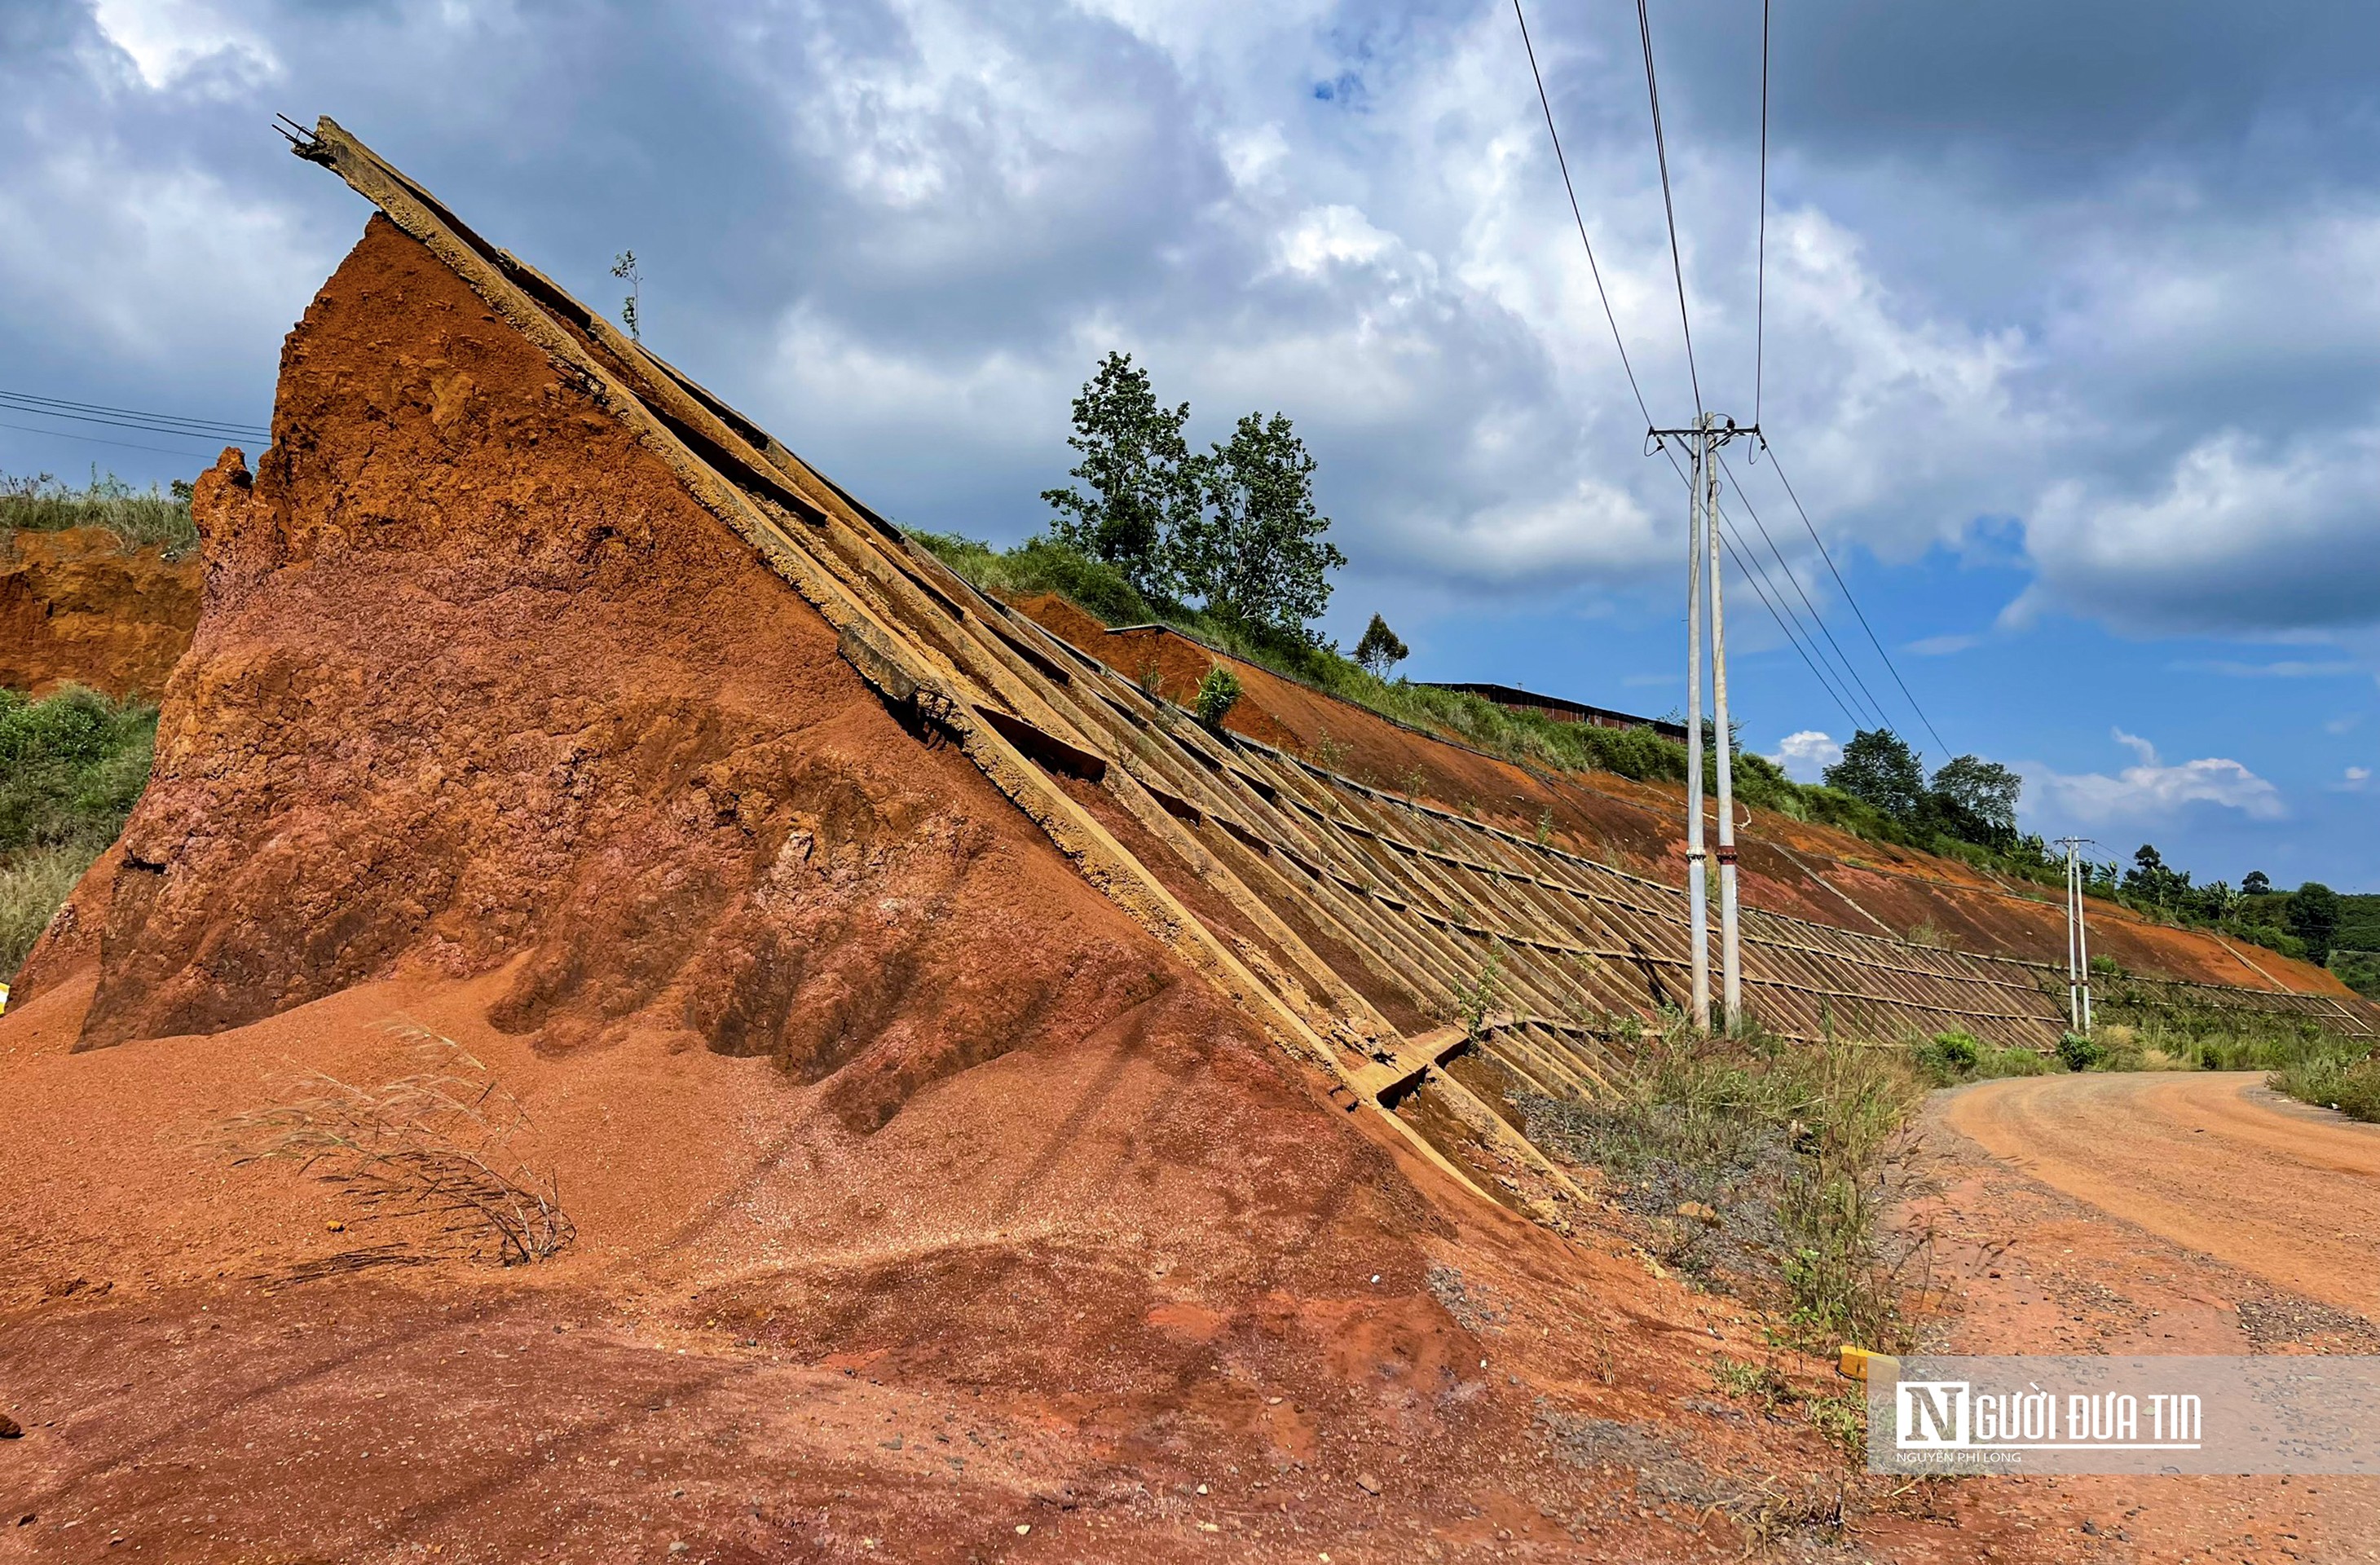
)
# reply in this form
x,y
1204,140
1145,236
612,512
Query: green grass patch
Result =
x,y
72,769
2350,1085
1763,1169
140,518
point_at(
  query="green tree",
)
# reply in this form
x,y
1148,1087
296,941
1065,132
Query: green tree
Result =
x,y
1256,552
2313,918
1143,483
1975,800
1879,768
1380,650
2217,901
2257,884
2153,881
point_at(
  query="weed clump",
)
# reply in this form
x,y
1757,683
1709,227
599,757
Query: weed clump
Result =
x,y
2351,1086
1948,1057
2077,1052
1765,1170
139,519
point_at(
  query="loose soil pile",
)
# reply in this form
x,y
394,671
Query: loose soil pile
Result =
x,y
927,1207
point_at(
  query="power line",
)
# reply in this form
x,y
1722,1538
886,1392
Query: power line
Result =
x,y
1612,320
1661,154
1886,657
94,439
1760,266
1730,540
1815,617
129,419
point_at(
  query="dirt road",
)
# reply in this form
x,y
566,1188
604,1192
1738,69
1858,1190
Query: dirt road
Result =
x,y
2212,1162
2168,1213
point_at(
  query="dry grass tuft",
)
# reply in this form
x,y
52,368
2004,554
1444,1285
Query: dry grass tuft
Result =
x,y
435,1145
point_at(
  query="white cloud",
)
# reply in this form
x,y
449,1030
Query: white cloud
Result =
x,y
1944,646
2242,534
1806,754
961,199
2357,780
168,41
2149,790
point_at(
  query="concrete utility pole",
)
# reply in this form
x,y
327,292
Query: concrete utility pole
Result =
x,y
1703,556
1697,885
2078,953
1723,741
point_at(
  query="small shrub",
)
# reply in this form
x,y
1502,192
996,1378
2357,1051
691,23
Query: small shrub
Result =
x,y
1218,694
2078,1053
1475,1002
1948,1057
71,768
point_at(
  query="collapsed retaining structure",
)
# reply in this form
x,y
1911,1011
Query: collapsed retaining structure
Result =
x,y
1424,960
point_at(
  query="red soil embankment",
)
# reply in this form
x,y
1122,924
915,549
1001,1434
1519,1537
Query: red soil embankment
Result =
x,y
1788,866
78,608
928,1208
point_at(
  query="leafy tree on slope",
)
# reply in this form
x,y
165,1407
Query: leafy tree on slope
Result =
x,y
1380,650
1144,484
2313,918
1879,768
1257,551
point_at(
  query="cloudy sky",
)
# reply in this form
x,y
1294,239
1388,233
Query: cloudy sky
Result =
x,y
2072,346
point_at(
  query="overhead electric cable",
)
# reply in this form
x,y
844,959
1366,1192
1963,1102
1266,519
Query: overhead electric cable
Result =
x,y
1779,469
1669,209
1760,265
1730,539
1817,618
1563,163
129,419
1612,320
94,439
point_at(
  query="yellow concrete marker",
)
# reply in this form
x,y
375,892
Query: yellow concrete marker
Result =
x,y
1855,1362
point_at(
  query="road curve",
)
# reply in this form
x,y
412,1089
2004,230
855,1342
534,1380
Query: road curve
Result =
x,y
2209,1161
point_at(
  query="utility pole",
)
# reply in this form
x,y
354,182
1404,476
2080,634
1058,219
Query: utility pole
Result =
x,y
2078,953
1723,742
1697,883
1710,432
